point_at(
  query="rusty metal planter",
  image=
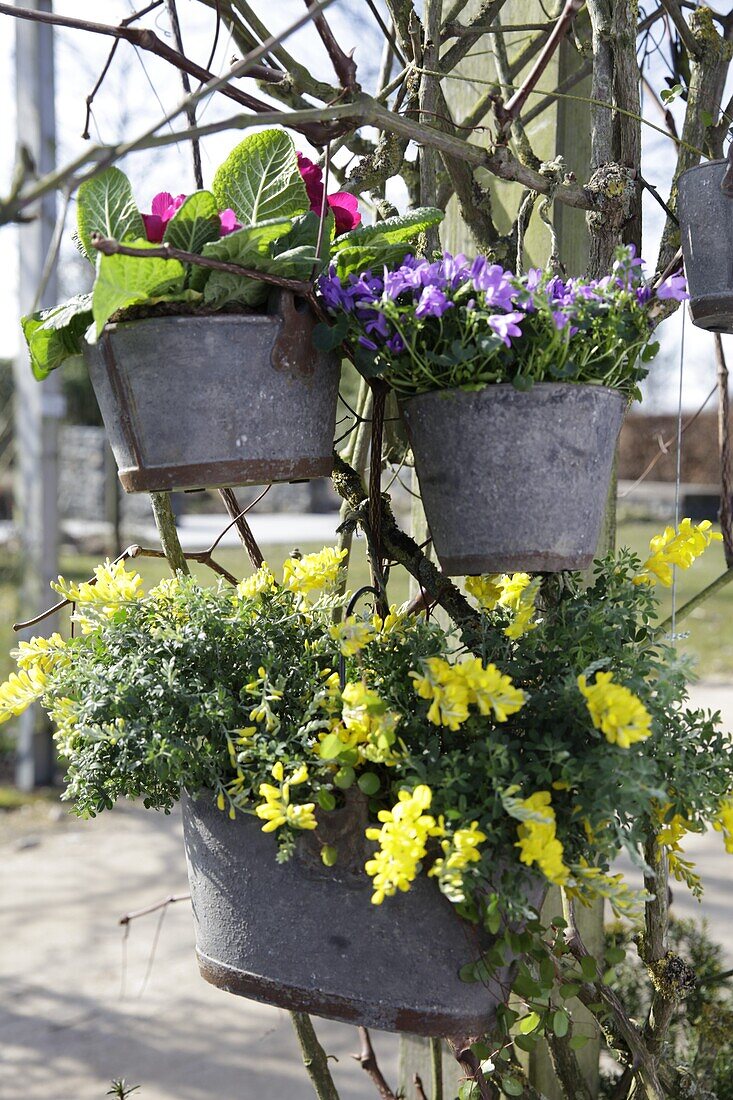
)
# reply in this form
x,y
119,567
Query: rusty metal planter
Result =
x,y
706,232
515,480
307,938
228,399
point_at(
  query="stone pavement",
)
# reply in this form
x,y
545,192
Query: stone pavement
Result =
x,y
81,1005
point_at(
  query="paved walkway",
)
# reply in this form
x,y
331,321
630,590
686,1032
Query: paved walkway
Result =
x,y
81,1005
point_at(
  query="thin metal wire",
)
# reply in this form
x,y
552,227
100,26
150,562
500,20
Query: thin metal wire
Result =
x,y
678,466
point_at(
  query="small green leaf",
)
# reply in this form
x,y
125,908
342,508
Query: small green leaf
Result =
x,y
329,337
615,955
105,205
706,118
560,1023
326,800
368,783
344,778
529,1023
526,1042
667,95
467,973
469,1090
124,281
568,990
649,352
577,1042
329,855
589,968
330,747
260,179
511,1086
194,224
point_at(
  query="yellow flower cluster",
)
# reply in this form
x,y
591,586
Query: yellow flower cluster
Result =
x,y
669,835
392,621
516,592
678,548
459,852
616,711
453,688
42,653
366,726
20,690
314,571
402,842
277,809
537,840
63,714
166,589
589,883
262,580
352,635
724,822
112,587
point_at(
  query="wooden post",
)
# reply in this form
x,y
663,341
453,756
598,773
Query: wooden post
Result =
x,y
38,408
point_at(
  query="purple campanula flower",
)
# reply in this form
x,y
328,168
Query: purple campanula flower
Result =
x,y
433,303
556,289
377,323
367,343
454,270
533,278
494,282
674,288
505,325
643,294
560,319
395,344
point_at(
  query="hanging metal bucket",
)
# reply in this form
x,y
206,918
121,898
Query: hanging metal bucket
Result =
x,y
306,937
705,209
193,402
515,480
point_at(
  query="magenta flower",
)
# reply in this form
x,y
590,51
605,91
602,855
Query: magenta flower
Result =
x,y
504,325
163,207
228,220
345,207
675,287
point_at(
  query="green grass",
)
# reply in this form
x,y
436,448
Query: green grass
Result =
x,y
710,626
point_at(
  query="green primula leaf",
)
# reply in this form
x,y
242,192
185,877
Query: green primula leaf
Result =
x,y
105,205
194,224
124,281
54,335
250,247
260,179
374,255
398,230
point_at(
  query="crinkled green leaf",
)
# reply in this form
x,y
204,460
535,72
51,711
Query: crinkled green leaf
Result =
x,y
398,230
260,179
251,247
372,256
54,335
105,205
194,224
124,281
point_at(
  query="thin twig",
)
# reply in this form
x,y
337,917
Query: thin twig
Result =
x,y
368,1062
343,64
513,108
153,908
186,84
110,247
315,1058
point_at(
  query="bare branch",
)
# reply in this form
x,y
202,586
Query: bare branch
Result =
x,y
153,908
514,107
315,1058
368,1061
343,64
672,8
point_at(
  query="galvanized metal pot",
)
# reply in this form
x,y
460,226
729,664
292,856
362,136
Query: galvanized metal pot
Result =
x,y
515,481
306,937
228,399
705,211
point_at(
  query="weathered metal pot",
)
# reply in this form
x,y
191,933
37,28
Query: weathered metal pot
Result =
x,y
228,399
706,231
307,938
512,480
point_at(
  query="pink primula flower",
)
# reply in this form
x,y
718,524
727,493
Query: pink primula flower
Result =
x,y
164,206
345,207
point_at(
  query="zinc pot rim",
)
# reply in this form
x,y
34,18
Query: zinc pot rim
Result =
x,y
494,387
704,166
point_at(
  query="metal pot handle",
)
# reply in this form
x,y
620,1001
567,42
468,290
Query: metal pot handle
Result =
x,y
726,184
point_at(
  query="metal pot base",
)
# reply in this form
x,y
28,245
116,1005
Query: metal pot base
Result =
x,y
216,475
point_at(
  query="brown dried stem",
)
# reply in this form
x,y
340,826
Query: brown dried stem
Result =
x,y
368,1062
110,247
153,908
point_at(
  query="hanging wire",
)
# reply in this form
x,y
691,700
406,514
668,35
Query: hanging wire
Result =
x,y
678,467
